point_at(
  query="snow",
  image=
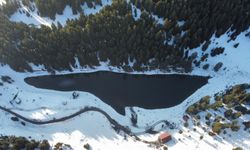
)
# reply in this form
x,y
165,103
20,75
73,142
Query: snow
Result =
x,y
136,12
88,11
93,127
35,19
2,2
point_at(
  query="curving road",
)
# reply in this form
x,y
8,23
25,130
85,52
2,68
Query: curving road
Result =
x,y
115,125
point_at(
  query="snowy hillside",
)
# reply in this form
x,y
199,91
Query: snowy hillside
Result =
x,y
95,128
47,104
25,15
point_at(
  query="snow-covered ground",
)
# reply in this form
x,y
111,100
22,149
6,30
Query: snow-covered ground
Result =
x,y
2,2
35,19
94,128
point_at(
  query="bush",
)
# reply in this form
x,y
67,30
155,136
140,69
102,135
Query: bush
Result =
x,y
206,66
32,145
217,51
208,116
192,110
228,113
44,145
180,131
216,127
208,123
201,137
216,105
236,115
86,146
234,126
19,143
218,66
241,109
237,148
62,146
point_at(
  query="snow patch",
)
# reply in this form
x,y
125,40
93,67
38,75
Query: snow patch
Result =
x,y
34,19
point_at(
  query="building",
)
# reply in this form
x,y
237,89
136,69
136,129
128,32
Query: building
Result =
x,y
164,137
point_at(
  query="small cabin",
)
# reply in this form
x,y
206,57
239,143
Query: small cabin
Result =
x,y
164,137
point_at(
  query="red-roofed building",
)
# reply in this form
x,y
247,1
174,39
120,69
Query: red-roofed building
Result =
x,y
164,137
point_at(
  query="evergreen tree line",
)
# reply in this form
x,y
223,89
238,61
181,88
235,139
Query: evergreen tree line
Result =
x,y
203,18
49,8
111,35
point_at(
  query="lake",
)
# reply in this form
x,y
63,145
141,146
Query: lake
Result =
x,y
121,90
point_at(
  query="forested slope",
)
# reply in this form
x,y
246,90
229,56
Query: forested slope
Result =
x,y
114,35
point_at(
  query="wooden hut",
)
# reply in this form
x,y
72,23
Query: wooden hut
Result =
x,y
164,137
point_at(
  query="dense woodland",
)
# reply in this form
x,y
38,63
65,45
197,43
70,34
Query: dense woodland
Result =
x,y
114,35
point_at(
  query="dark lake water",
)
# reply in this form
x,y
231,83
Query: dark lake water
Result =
x,y
120,90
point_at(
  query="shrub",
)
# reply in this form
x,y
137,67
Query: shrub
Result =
x,y
236,45
44,145
208,123
206,66
86,146
205,46
216,127
224,132
32,145
208,116
228,113
235,126
241,108
216,105
180,131
237,148
192,110
217,51
236,115
201,137
218,66
19,143
228,98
